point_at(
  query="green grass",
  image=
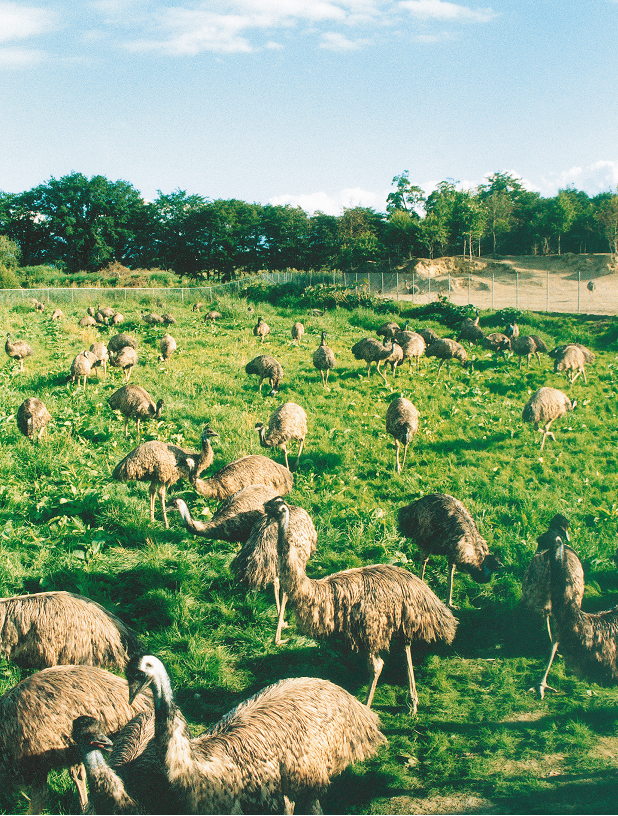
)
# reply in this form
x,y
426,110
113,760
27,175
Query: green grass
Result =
x,y
480,740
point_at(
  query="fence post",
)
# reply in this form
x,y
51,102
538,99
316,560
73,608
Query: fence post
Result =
x,y
413,287
517,290
382,281
210,293
429,286
397,283
468,288
578,289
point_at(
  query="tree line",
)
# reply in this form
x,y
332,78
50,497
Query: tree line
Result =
x,y
82,224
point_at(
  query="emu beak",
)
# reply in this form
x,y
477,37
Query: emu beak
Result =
x,y
102,742
136,685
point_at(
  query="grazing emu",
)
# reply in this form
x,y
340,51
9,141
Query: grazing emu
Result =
x,y
588,642
526,346
197,306
167,346
536,585
368,606
120,341
101,353
134,401
125,359
297,332
441,525
428,335
469,330
32,417
395,358
53,628
248,470
37,716
152,318
446,350
278,749
401,424
18,350
212,315
287,423
496,342
261,329
266,367
82,367
544,406
572,360
388,330
559,350
324,359
163,464
87,321
57,314
256,564
373,351
412,345
235,519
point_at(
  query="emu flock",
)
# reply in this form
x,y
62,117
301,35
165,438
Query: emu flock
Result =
x,y
125,740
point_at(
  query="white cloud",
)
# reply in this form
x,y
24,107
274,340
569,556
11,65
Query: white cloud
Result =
x,y
441,36
333,205
446,12
599,177
334,41
16,58
19,22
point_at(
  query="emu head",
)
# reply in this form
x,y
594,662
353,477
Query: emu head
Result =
x,y
276,508
141,671
560,525
88,734
207,434
491,564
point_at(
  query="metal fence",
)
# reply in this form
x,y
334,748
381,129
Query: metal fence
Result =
x,y
520,291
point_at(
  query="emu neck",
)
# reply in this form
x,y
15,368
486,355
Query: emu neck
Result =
x,y
263,441
292,574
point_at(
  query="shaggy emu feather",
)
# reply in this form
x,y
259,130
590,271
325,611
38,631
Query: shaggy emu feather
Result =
x,y
324,359
261,329
412,345
446,350
248,470
52,628
544,406
234,520
266,367
18,350
163,464
256,564
536,585
288,422
441,525
134,401
368,606
32,418
373,351
401,424
571,359
277,750
37,716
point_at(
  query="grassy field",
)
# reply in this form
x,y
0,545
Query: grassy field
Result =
x,y
481,742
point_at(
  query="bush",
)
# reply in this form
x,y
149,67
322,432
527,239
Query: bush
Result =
x,y
8,278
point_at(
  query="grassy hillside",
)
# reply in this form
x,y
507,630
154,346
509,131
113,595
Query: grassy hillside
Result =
x,y
480,742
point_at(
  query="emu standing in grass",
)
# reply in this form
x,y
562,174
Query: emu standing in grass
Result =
x,y
275,752
266,367
368,606
18,350
235,519
588,642
388,330
287,423
496,342
134,401
167,346
261,329
372,351
125,359
32,418
572,360
446,350
412,345
401,424
37,716
536,585
248,470
324,359
163,464
82,367
526,346
120,341
101,353
297,332
470,330
256,564
52,628
428,335
441,525
544,406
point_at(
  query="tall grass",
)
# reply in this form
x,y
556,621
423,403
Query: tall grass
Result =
x,y
480,739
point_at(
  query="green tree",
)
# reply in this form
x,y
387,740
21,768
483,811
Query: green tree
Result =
x,y
438,223
360,231
468,218
606,216
323,241
406,196
500,195
284,237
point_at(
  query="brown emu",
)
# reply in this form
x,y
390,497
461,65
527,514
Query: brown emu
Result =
x,y
368,606
401,424
446,350
125,359
544,406
167,346
266,367
324,359
297,332
261,329
288,422
134,401
412,345
536,585
37,716
256,564
163,464
248,470
275,751
373,351
32,418
18,350
441,525
51,628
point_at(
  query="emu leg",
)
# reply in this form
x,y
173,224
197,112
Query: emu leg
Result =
x,y
300,450
413,694
405,451
153,493
137,423
397,465
451,575
126,427
542,686
162,497
375,668
39,793
281,624
439,370
423,568
285,453
380,372
78,775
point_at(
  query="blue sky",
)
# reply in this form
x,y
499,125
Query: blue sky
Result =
x,y
311,102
